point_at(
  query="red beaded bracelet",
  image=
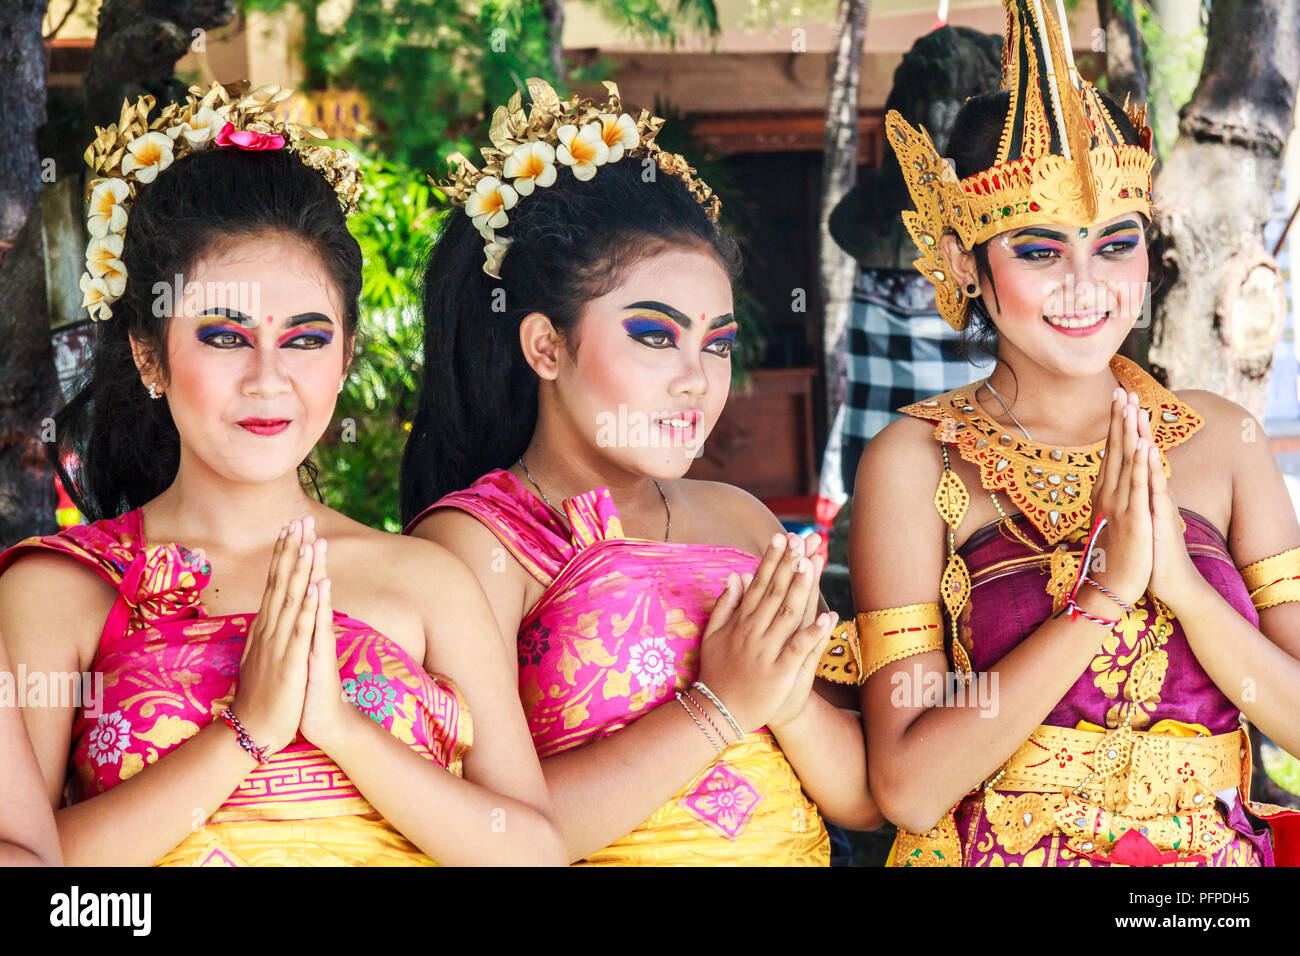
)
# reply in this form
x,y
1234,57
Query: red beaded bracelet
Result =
x,y
261,754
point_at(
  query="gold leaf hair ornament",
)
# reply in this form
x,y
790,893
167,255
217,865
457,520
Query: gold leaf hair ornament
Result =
x,y
1060,158
132,152
529,148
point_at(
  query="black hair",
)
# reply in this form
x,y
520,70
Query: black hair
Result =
x,y
570,242
126,445
973,147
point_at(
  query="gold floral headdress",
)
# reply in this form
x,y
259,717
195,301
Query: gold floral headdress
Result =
x,y
1061,157
134,150
526,147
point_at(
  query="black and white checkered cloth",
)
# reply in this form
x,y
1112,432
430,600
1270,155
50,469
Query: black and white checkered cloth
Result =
x,y
900,350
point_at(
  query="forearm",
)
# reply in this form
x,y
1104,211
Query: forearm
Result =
x,y
605,789
452,820
1259,677
950,749
144,817
825,746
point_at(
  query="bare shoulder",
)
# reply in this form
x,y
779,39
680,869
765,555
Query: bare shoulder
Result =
x,y
896,543
733,507
50,594
390,558
1224,418
1230,437
903,459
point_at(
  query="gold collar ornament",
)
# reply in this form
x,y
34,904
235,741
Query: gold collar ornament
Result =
x,y
1051,484
132,152
1061,158
526,146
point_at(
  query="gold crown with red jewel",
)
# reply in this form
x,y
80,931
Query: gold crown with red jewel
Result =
x,y
527,146
1061,158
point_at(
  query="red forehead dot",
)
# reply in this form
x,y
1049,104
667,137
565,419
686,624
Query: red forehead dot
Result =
x,y
270,319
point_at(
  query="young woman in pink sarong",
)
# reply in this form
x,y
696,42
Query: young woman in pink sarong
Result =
x,y
666,631
244,719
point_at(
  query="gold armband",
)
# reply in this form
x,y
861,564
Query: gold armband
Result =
x,y
842,660
894,633
1274,580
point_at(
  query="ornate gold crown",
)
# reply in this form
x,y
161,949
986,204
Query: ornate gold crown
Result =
x,y
135,149
1061,157
526,147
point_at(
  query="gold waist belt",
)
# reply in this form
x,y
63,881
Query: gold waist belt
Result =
x,y
1092,786
1123,769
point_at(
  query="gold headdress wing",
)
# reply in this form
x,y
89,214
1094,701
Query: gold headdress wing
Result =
x,y
1060,157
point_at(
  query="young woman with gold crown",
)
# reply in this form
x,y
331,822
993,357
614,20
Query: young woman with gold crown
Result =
x,y
1122,637
570,380
243,720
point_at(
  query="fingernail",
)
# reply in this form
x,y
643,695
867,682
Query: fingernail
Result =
x,y
325,584
284,531
311,590
796,545
302,551
1127,409
778,541
800,565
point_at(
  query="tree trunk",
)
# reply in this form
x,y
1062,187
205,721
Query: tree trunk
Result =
x,y
28,392
1126,72
554,10
22,104
136,48
839,172
1222,308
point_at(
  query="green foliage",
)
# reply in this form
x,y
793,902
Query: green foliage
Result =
x,y
395,222
1173,69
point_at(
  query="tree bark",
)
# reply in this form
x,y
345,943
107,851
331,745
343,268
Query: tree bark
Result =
x,y
22,104
1222,309
1126,72
554,10
27,382
136,48
839,172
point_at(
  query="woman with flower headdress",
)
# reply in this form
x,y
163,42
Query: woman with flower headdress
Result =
x,y
578,330
1122,637
244,720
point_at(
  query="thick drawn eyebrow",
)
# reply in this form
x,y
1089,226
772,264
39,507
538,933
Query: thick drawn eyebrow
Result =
x,y
304,317
1041,233
1045,233
1119,226
235,314
679,317
246,320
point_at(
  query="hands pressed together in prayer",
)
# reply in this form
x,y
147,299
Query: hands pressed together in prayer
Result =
x,y
765,637
288,674
1142,542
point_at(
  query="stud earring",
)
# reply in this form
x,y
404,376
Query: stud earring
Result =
x,y
970,289
153,391
341,381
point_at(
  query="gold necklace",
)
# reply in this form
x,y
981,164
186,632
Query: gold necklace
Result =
x,y
1051,484
667,510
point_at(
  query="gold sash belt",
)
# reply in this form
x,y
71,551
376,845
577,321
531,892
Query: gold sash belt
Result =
x,y
1127,769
